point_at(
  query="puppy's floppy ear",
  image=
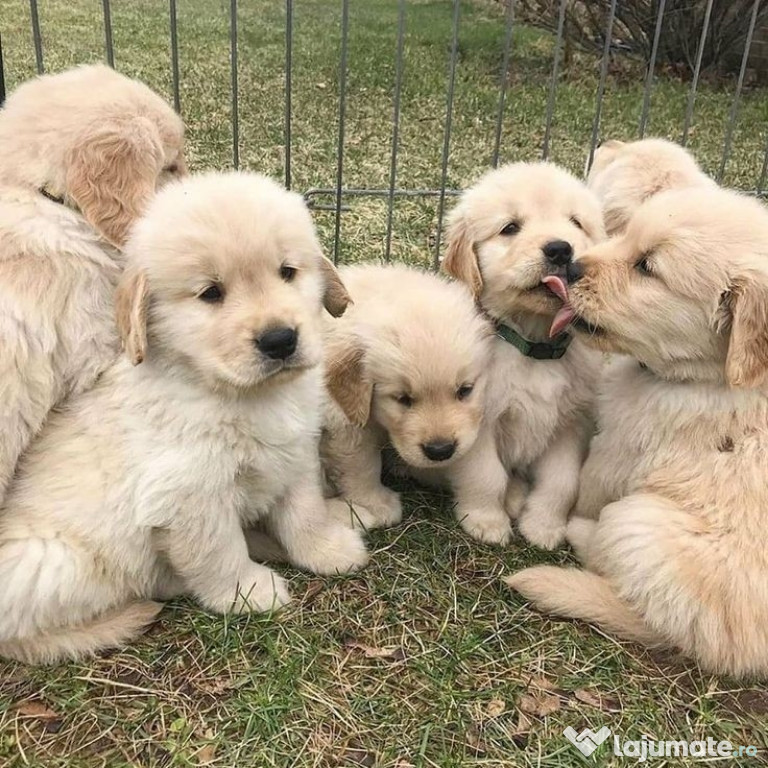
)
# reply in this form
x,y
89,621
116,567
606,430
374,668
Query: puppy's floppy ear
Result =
x,y
746,364
346,378
335,296
131,300
460,259
112,173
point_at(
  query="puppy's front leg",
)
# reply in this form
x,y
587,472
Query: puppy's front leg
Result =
x,y
353,457
594,486
554,491
479,483
209,553
313,537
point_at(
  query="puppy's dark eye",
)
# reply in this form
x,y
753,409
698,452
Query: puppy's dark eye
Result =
x,y
405,400
576,223
464,391
287,273
212,294
172,168
511,229
643,266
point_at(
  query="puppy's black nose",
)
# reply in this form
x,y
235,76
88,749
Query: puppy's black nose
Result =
x,y
574,271
278,343
559,252
439,450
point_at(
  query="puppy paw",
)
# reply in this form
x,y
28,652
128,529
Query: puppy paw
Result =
x,y
379,509
543,529
580,533
258,590
333,550
490,525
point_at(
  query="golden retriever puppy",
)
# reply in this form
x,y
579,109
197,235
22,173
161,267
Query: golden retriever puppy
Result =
x,y
509,237
625,174
139,489
407,366
674,499
81,154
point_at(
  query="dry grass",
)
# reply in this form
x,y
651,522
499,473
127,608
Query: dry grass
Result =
x,y
424,659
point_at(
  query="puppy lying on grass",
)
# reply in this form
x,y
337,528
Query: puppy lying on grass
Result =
x,y
407,365
509,237
140,488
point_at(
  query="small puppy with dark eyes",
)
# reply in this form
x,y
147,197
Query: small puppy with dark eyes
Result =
x,y
625,174
673,508
81,155
141,487
406,366
509,238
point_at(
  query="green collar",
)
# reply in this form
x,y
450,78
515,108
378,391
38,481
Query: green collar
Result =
x,y
553,349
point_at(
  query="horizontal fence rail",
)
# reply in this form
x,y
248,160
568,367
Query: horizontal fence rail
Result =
x,y
332,198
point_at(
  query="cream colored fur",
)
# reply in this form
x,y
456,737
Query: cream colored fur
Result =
x,y
539,410
412,334
625,174
140,487
102,143
674,501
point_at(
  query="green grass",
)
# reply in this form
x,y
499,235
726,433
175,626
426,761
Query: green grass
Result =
x,y
424,659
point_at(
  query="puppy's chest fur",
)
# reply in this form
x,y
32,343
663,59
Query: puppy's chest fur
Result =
x,y
700,444
536,398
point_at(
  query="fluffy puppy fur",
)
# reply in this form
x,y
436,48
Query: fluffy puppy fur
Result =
x,y
625,174
139,488
673,503
533,447
100,144
407,366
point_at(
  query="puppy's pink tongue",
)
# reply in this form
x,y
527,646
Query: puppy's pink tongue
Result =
x,y
562,320
558,286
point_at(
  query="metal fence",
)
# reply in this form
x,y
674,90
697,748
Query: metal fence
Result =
x,y
332,198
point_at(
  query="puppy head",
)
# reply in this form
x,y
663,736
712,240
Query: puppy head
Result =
x,y
516,226
227,281
412,357
93,137
625,174
684,289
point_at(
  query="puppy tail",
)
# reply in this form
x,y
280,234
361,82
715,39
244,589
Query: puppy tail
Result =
x,y
110,630
579,594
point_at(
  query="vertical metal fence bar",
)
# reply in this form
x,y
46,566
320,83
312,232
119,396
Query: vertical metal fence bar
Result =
x,y
2,73
553,79
737,96
233,61
342,118
601,84
175,56
696,72
448,127
288,87
504,82
764,169
108,33
651,70
36,36
395,125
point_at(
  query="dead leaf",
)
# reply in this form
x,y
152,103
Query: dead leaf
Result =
x,y
495,707
597,700
393,653
206,754
474,740
36,709
542,683
521,730
539,703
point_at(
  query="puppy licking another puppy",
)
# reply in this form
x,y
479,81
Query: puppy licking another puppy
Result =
x,y
140,488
